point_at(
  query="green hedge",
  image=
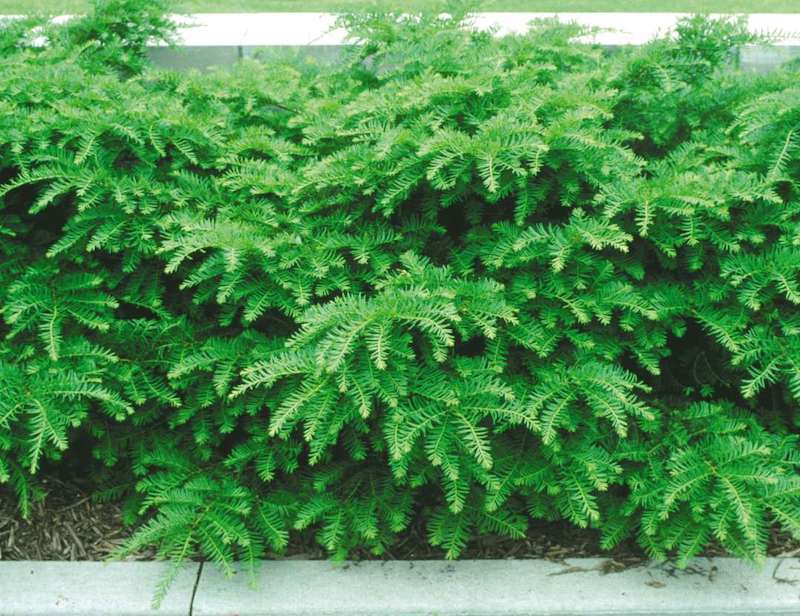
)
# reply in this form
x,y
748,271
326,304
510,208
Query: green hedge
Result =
x,y
457,278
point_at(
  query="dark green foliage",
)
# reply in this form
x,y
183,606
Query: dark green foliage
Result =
x,y
474,279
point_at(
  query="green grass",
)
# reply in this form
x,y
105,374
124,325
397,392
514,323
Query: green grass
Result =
x,y
232,6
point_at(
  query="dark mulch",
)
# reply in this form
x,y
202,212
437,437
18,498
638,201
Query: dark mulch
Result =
x,y
70,525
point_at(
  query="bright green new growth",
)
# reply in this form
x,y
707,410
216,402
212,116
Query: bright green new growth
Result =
x,y
471,279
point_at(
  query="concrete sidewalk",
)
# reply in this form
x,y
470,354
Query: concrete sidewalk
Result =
x,y
594,587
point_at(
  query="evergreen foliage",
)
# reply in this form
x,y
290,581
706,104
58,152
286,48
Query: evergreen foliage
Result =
x,y
472,279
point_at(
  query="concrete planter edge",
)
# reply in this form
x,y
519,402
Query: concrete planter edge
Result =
x,y
534,587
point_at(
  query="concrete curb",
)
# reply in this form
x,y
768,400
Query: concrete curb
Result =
x,y
503,588
92,589
591,586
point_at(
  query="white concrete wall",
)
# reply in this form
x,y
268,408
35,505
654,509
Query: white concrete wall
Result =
x,y
207,39
317,29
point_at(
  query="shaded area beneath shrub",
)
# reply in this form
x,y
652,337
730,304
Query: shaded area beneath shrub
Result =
x,y
70,525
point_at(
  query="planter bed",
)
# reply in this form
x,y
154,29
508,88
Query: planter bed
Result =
x,y
556,570
389,311
69,525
